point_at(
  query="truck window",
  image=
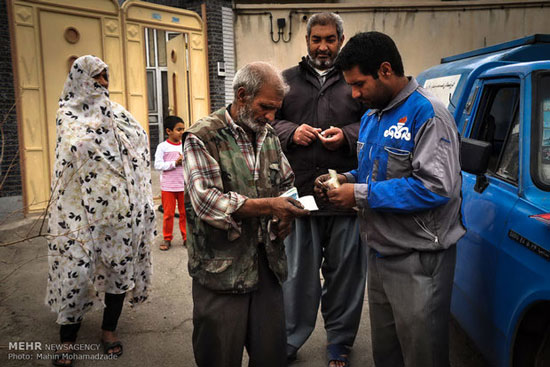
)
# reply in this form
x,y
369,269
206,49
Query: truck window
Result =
x,y
497,123
508,167
541,131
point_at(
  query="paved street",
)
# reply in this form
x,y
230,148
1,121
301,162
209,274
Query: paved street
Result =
x,y
157,333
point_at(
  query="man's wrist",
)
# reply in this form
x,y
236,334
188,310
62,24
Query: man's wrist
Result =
x,y
269,205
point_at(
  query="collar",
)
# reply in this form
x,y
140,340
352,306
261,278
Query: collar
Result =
x,y
232,125
169,142
411,86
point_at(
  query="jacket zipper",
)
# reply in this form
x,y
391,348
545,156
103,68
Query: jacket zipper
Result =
x,y
425,229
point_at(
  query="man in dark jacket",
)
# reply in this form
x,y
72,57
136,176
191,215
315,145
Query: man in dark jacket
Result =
x,y
318,126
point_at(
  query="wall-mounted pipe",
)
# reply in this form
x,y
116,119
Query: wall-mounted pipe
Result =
x,y
281,24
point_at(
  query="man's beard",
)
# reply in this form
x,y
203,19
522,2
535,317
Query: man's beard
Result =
x,y
246,117
381,99
322,64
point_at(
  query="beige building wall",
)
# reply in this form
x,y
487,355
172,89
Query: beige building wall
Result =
x,y
48,35
424,31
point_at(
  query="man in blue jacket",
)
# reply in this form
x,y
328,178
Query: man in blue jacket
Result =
x,y
407,189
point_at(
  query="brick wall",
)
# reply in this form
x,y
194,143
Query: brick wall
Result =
x,y
10,145
215,51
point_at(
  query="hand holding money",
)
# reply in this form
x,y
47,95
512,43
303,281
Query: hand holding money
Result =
x,y
327,182
332,182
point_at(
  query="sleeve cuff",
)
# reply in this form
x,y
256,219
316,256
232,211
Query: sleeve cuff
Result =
x,y
234,226
361,191
349,177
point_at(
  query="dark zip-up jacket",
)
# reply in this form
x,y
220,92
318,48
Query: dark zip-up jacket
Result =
x,y
323,106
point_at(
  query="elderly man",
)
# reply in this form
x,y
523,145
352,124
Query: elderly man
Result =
x,y
318,125
234,171
407,187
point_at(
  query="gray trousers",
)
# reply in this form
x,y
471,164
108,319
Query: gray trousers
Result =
x,y
409,305
332,244
223,324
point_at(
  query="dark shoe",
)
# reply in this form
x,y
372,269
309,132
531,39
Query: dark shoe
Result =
x,y
338,353
165,246
291,353
184,243
111,347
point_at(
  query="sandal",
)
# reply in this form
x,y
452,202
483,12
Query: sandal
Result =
x,y
338,353
65,355
165,246
111,346
56,360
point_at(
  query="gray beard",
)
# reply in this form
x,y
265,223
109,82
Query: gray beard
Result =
x,y
244,116
321,65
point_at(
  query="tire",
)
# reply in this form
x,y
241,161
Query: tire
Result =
x,y
542,359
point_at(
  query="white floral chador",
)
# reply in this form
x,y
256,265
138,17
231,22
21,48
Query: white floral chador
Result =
x,y
101,214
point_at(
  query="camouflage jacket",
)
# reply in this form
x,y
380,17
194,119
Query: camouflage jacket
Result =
x,y
214,261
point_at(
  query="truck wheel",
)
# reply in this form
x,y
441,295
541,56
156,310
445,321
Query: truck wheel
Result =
x,y
542,358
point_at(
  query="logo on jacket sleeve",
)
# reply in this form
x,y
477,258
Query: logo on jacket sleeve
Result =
x,y
399,131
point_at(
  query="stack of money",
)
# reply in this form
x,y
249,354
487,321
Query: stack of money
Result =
x,y
332,182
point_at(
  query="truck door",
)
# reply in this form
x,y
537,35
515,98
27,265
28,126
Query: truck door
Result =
x,y
486,213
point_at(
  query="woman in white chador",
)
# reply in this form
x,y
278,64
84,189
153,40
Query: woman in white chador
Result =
x,y
101,215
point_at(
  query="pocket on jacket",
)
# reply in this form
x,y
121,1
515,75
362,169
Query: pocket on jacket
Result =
x,y
399,163
425,222
217,265
275,174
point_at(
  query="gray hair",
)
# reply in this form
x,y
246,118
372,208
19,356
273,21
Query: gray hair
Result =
x,y
326,19
252,77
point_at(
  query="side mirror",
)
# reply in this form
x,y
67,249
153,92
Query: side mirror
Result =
x,y
474,158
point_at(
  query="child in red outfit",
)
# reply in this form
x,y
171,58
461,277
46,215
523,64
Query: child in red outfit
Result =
x,y
168,159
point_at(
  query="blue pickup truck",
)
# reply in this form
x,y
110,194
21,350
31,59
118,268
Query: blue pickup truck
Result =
x,y
500,99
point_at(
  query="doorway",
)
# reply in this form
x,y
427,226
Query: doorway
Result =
x,y
167,73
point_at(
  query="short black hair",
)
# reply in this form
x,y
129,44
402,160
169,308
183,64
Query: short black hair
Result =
x,y
171,121
369,50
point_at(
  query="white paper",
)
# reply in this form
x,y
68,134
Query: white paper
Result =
x,y
308,202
